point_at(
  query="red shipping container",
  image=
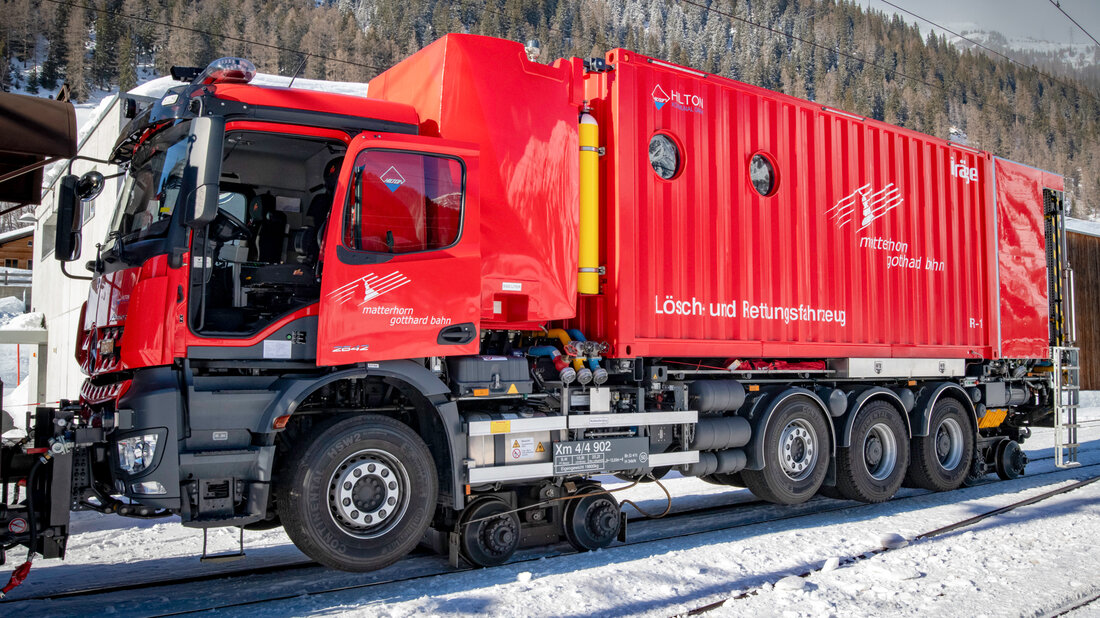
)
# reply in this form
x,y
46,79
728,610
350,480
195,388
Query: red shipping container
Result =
x,y
875,241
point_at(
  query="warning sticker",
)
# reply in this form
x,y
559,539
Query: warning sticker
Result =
x,y
523,448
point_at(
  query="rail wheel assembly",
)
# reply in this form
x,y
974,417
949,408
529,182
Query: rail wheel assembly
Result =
x,y
1011,460
360,494
796,454
592,519
941,460
872,467
490,532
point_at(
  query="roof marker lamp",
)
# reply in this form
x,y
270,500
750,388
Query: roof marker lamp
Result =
x,y
227,71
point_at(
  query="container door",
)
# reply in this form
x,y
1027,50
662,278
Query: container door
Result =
x,y
401,256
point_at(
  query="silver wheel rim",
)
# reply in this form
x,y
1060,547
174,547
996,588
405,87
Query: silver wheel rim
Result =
x,y
949,443
880,451
798,449
368,493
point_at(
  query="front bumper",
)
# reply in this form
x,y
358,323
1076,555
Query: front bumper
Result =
x,y
211,468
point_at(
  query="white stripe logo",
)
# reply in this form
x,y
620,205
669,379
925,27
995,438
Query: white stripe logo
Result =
x,y
368,288
865,205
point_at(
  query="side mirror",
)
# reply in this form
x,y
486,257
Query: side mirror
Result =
x,y
69,219
90,186
205,161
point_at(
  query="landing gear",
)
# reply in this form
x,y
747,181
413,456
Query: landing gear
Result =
x,y
360,494
873,467
1011,460
796,454
592,520
489,531
941,460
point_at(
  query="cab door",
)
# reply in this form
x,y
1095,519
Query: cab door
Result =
x,y
402,258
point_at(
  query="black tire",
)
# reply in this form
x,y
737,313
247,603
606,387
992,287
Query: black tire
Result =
x,y
800,428
395,470
872,468
941,460
830,491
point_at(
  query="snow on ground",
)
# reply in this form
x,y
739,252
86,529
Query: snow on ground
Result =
x,y
15,361
1028,562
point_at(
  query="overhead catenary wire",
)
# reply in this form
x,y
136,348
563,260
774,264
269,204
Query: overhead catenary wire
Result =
x,y
1058,5
828,48
991,50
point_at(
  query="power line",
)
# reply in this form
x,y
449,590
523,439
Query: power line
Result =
x,y
211,34
808,42
1058,6
993,51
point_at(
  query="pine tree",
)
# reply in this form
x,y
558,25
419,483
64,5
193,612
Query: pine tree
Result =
x,y
77,73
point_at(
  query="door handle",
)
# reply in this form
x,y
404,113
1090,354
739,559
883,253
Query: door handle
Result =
x,y
457,334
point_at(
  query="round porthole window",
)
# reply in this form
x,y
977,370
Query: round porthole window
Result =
x,y
762,174
664,156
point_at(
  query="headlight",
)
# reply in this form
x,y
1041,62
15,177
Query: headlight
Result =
x,y
136,453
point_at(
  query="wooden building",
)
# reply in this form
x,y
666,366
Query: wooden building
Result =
x,y
1083,246
17,248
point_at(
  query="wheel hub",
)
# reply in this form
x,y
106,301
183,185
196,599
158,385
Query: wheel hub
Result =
x,y
798,449
601,520
880,451
498,536
873,452
368,494
949,443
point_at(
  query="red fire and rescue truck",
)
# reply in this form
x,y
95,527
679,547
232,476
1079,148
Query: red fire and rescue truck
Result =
x,y
442,312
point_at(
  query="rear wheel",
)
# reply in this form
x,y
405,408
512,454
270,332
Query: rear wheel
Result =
x,y
796,454
941,460
360,493
872,468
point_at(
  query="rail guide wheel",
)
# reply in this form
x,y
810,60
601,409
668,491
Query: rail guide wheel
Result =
x,y
1011,460
490,532
591,520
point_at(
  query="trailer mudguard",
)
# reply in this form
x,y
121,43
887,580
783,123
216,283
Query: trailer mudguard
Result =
x,y
921,415
755,447
857,398
296,389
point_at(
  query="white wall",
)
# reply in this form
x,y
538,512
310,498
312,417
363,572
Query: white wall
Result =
x,y
54,294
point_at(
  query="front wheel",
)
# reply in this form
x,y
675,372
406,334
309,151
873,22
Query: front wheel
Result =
x,y
796,454
359,494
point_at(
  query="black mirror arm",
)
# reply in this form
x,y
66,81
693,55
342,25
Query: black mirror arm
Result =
x,y
71,276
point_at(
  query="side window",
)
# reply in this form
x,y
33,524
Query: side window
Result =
x,y
404,202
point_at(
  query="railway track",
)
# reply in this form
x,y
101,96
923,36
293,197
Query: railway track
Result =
x,y
970,521
679,524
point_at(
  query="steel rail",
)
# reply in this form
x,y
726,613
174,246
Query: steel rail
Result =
x,y
824,505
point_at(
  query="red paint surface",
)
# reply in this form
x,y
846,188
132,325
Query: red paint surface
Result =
x,y
708,238
396,309
523,116
1021,243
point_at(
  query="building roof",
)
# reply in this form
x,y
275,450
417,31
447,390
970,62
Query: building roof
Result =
x,y
1080,226
22,232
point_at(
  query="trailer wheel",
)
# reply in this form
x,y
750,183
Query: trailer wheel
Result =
x,y
941,460
796,454
873,467
360,493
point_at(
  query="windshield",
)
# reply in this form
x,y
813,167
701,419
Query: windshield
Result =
x,y
153,186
